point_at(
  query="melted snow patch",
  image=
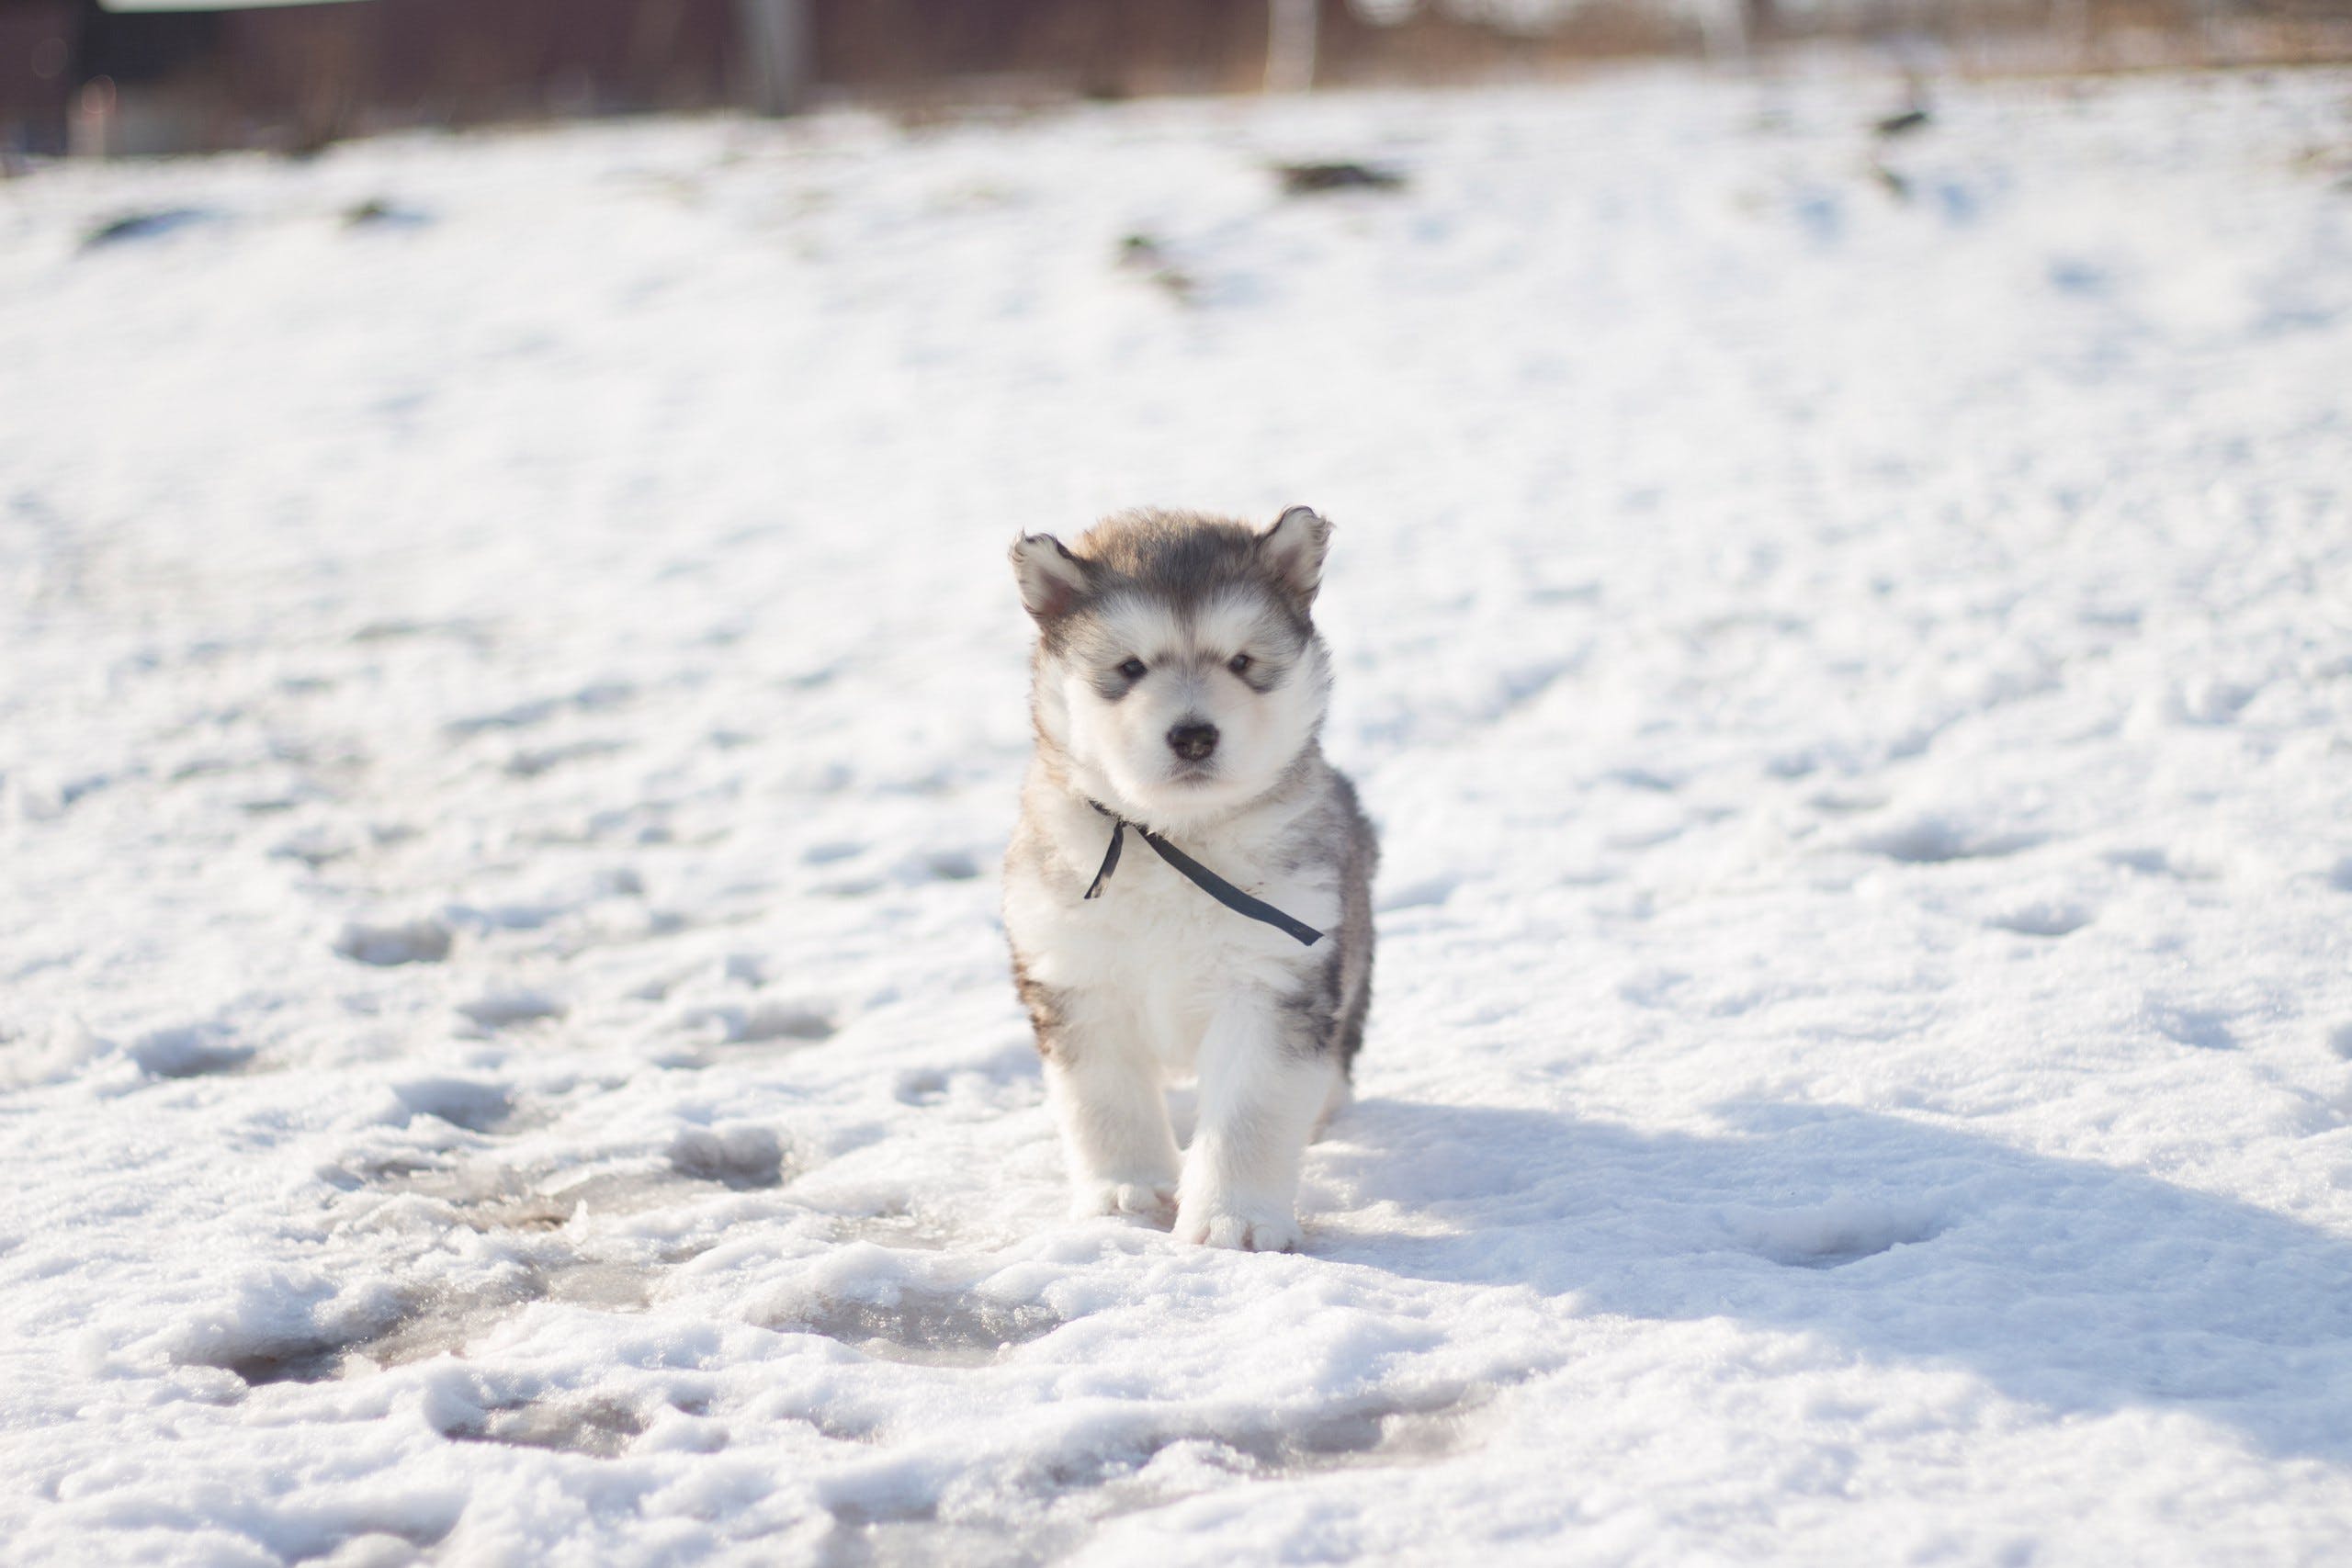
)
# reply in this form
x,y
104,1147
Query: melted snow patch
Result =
x,y
306,1338
1044,1508
923,1326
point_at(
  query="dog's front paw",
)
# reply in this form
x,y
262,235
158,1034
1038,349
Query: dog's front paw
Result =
x,y
1147,1200
1240,1227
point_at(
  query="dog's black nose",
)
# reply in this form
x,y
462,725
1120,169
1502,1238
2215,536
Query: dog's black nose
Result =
x,y
1193,741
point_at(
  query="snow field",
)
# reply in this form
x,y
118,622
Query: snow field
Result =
x,y
508,711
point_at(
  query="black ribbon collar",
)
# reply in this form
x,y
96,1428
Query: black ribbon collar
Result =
x,y
1200,876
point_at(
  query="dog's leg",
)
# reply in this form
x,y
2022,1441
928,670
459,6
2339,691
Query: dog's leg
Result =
x,y
1104,1083
1260,1093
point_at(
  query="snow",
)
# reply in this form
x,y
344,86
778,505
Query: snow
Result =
x,y
509,707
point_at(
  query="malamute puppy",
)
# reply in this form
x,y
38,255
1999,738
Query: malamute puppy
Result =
x,y
1189,890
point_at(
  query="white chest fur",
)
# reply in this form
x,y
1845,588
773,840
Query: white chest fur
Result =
x,y
1152,946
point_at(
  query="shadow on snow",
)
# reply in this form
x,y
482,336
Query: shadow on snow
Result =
x,y
2066,1284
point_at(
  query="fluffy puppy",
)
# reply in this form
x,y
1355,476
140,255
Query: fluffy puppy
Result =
x,y
1179,689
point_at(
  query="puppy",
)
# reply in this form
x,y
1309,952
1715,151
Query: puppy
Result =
x,y
1189,890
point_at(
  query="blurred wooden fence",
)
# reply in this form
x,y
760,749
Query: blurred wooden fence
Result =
x,y
79,72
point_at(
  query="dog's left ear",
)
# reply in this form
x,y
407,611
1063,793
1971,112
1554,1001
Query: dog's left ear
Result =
x,y
1293,548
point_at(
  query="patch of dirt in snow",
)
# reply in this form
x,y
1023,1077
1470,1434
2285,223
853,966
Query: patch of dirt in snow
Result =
x,y
598,1427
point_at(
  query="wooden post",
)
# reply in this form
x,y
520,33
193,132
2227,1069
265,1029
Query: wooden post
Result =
x,y
90,130
779,47
1290,45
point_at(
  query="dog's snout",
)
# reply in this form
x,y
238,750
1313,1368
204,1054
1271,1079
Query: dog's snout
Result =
x,y
1193,740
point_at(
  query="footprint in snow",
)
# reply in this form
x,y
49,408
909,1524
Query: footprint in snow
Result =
x,y
539,710
1845,802
2187,865
922,1087
767,1023
506,1009
2045,918
2202,1029
618,881
1936,840
947,865
189,1052
473,1105
1640,779
315,848
486,918
422,940
531,762
744,1158
476,632
1833,1235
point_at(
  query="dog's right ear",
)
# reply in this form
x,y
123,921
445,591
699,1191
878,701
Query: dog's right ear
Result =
x,y
1294,547
1051,579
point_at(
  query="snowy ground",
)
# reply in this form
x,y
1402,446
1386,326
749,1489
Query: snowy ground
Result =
x,y
508,709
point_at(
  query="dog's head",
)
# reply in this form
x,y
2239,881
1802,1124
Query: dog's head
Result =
x,y
1178,668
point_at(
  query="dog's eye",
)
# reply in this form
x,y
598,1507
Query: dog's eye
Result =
x,y
1239,664
1133,668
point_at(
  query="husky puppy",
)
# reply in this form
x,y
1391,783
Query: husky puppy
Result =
x,y
1178,687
